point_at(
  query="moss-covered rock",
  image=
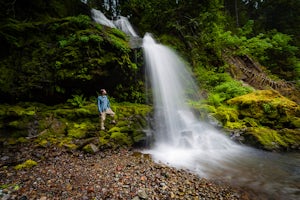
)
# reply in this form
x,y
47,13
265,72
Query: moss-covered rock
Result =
x,y
265,104
271,120
90,148
121,139
65,126
228,116
270,139
78,130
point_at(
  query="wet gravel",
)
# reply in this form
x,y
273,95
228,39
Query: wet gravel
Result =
x,y
110,174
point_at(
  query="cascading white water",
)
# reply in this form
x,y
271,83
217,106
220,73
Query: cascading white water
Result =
x,y
100,18
181,140
123,24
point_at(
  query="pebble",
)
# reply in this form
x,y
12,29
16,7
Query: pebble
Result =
x,y
112,174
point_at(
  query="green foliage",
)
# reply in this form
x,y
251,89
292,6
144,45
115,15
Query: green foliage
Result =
x,y
209,79
96,38
267,108
77,101
118,40
215,99
72,56
121,138
272,49
67,41
79,130
226,90
231,89
220,86
84,38
82,21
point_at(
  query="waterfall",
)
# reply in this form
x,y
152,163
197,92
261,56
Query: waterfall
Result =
x,y
175,124
100,18
123,24
183,141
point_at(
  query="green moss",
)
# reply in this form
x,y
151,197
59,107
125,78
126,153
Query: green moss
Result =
x,y
114,129
235,125
251,122
68,143
78,130
14,124
27,164
19,111
65,113
291,136
295,121
138,136
82,112
265,102
126,129
42,142
268,138
22,140
269,109
121,138
61,124
103,141
207,108
226,114
11,141
90,148
122,123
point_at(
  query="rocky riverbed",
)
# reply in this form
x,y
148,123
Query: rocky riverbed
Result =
x,y
110,174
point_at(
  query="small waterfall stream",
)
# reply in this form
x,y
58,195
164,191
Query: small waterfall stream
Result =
x,y
121,22
100,18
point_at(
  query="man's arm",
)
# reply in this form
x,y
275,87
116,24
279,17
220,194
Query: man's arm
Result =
x,y
99,104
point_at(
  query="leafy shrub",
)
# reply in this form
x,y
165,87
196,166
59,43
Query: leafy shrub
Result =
x,y
231,89
215,100
209,79
82,20
84,38
77,101
63,43
96,38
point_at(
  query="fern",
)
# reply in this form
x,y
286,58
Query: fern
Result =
x,y
77,101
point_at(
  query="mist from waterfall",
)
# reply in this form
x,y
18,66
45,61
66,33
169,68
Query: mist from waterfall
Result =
x,y
183,141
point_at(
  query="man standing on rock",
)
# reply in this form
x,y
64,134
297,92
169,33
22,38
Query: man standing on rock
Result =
x,y
104,108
